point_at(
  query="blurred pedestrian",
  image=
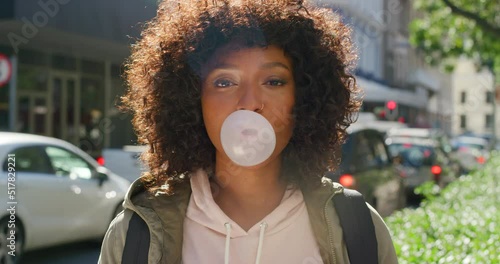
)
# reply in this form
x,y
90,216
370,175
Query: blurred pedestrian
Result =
x,y
242,104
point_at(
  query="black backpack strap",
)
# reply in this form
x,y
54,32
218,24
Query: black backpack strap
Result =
x,y
357,226
137,242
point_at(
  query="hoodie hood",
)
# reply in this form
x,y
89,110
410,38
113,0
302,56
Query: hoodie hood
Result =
x,y
209,229
203,210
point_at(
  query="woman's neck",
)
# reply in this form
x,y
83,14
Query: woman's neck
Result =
x,y
247,195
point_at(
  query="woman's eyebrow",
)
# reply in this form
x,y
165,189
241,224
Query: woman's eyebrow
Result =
x,y
268,65
275,64
224,66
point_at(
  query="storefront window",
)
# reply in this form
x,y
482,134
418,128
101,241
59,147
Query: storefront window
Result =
x,y
116,71
120,126
92,113
65,120
32,79
93,67
62,62
33,57
32,99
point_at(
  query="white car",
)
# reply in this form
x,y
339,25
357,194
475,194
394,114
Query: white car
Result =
x,y
52,193
125,161
472,151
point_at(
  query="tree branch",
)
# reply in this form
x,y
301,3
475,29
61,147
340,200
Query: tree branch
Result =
x,y
483,23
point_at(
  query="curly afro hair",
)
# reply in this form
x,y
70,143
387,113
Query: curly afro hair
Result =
x,y
164,83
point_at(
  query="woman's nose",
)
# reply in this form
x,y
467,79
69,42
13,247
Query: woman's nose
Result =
x,y
251,98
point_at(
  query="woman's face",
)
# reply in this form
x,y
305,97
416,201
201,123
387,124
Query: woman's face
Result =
x,y
256,79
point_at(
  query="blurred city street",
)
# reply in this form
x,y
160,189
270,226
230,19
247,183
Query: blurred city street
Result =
x,y
429,72
78,253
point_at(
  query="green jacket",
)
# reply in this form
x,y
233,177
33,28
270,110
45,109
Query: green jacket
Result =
x,y
164,216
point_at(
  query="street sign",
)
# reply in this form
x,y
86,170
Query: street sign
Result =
x,y
5,70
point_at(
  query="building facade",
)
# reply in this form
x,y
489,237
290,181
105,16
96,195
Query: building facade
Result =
x,y
389,69
69,58
474,100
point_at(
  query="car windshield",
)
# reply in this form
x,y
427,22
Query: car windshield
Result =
x,y
413,155
462,145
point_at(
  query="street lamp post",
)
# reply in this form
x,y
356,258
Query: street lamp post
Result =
x,y
12,95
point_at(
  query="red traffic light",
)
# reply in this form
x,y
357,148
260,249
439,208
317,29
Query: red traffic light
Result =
x,y
436,170
391,105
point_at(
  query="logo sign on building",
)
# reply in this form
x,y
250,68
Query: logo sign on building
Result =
x,y
5,69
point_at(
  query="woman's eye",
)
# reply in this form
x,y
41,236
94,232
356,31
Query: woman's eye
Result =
x,y
223,83
276,82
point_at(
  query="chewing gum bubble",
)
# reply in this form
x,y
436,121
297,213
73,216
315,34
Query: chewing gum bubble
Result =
x,y
247,138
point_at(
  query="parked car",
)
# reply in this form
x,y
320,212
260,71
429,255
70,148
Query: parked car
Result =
x,y
467,143
125,161
441,141
473,152
367,166
487,137
59,193
420,161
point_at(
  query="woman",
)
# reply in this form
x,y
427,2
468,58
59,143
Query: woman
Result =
x,y
203,68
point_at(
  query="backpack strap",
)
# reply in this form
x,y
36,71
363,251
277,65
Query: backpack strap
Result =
x,y
357,226
137,242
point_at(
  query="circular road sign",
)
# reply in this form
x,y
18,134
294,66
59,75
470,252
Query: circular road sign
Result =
x,y
5,69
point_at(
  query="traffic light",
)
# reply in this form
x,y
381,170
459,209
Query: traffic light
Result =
x,y
391,105
391,110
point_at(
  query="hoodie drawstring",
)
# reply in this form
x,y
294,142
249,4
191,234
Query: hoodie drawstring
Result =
x,y
228,238
263,227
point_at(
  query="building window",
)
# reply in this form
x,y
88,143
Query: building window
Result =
x,y
463,121
489,97
62,62
489,121
93,67
33,57
116,71
463,97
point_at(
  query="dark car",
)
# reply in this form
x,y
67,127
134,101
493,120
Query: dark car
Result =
x,y
441,141
420,161
367,166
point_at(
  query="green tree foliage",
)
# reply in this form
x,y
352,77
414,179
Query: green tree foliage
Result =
x,y
450,28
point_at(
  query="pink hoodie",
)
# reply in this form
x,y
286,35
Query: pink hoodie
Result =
x,y
210,236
